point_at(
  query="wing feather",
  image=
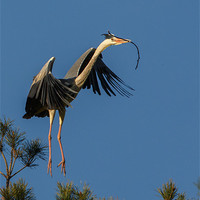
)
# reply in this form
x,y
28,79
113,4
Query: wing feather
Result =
x,y
109,81
104,83
47,93
94,82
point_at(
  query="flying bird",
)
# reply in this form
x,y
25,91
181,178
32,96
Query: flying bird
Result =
x,y
48,94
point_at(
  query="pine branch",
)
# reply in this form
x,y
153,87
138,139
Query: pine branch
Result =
x,y
6,163
2,174
19,171
13,165
11,160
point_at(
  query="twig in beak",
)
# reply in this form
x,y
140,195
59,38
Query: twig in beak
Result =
x,y
138,54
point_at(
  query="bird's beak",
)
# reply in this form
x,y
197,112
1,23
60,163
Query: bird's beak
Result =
x,y
121,40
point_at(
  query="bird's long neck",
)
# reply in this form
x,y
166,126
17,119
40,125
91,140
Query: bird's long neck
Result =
x,y
80,80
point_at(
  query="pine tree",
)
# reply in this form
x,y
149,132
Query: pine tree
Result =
x,y
169,191
17,191
71,192
14,147
197,184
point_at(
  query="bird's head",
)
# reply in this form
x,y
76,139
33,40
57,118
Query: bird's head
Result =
x,y
111,39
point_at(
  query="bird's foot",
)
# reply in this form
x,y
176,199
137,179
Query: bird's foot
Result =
x,y
49,169
62,163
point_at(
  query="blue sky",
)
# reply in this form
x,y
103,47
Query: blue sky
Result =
x,y
121,147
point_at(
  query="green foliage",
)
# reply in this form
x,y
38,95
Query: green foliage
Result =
x,y
168,191
5,128
181,196
14,146
32,151
71,192
17,191
65,192
14,138
198,186
86,193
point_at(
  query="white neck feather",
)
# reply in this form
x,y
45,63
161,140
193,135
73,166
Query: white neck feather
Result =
x,y
80,80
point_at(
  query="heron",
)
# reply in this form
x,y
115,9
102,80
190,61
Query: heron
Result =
x,y
48,94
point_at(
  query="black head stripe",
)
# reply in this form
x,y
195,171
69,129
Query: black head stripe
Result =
x,y
108,35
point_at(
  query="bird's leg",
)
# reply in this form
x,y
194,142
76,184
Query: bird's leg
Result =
x,y
51,115
62,163
50,160
61,119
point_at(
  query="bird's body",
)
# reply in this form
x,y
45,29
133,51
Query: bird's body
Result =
x,y
48,94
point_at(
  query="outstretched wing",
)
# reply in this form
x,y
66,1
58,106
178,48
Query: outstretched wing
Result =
x,y
47,92
110,82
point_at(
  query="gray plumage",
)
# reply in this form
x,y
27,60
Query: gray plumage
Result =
x,y
48,94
